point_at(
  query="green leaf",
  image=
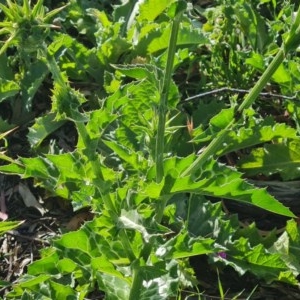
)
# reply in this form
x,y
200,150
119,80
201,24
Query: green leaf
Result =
x,y
132,220
61,291
5,126
258,261
69,165
33,281
66,102
255,237
12,168
160,281
183,246
75,240
293,231
45,265
282,246
281,75
8,225
66,265
39,167
4,283
207,219
115,288
264,131
256,60
215,179
42,128
89,137
8,89
32,81
111,44
157,39
77,60
283,159
176,8
134,159
5,72
139,71
252,24
104,266
292,39
222,119
151,9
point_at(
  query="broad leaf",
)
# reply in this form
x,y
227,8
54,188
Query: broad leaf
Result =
x,y
32,81
258,261
262,132
150,9
8,89
157,39
183,245
283,159
215,179
159,281
134,159
42,128
115,288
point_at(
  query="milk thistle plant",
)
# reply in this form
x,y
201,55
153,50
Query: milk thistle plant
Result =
x,y
150,205
26,27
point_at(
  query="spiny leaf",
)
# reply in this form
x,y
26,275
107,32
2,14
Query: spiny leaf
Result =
x,y
160,281
258,261
184,245
32,80
158,39
114,287
215,179
61,291
42,128
150,9
141,71
103,265
132,220
8,89
283,159
208,219
262,132
134,159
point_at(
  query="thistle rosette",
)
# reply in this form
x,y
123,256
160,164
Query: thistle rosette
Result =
x,y
26,27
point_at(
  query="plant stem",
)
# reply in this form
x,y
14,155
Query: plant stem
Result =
x,y
159,152
162,108
215,145
99,179
292,42
262,82
136,284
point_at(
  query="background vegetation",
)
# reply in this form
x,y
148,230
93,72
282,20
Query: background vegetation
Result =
x,y
166,132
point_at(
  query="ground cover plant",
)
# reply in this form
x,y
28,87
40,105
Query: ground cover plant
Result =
x,y
161,123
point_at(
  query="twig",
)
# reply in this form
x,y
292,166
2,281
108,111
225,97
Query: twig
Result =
x,y
234,90
29,238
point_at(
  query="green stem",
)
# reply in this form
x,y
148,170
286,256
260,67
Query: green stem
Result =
x,y
159,152
162,108
136,284
215,145
265,78
99,181
126,245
